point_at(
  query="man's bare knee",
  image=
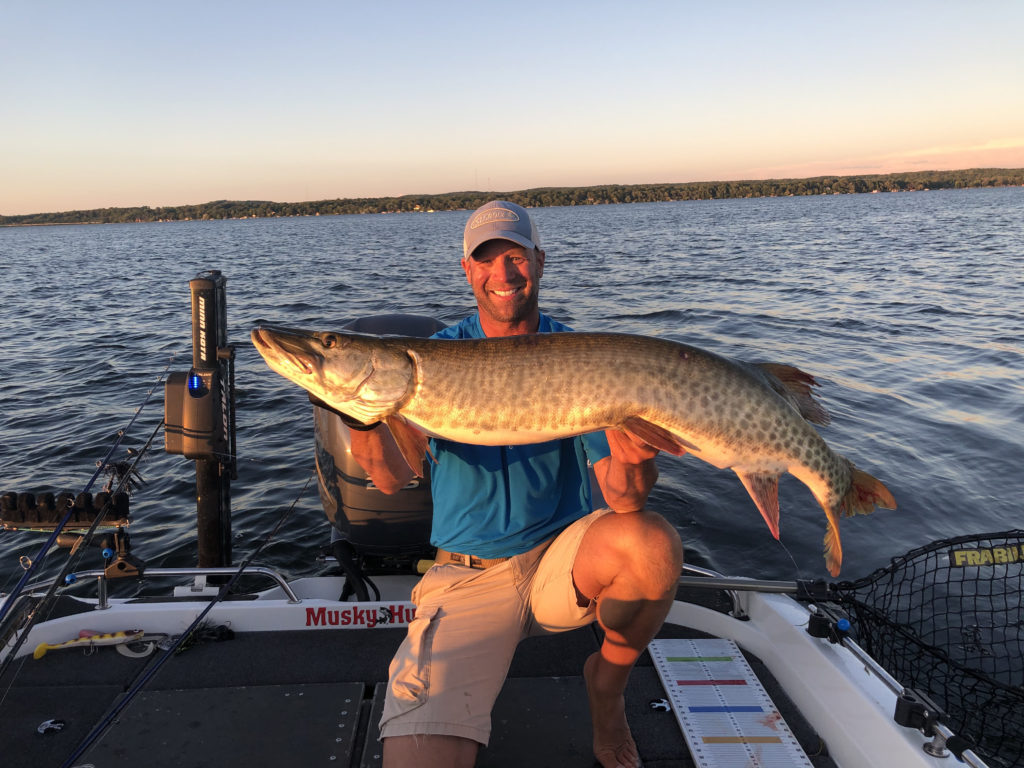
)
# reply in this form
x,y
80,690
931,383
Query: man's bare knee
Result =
x,y
640,552
652,554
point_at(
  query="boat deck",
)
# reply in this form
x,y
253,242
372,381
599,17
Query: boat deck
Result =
x,y
314,698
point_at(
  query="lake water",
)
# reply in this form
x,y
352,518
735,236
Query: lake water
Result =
x,y
906,307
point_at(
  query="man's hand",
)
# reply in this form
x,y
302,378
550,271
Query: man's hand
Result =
x,y
627,476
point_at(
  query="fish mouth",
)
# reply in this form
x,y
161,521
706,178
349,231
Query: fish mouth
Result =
x,y
292,346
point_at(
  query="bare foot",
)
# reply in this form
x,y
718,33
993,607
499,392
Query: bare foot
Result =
x,y
613,743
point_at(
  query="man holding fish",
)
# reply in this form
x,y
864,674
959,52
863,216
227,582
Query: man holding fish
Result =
x,y
517,410
519,551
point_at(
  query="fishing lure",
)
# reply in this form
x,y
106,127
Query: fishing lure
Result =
x,y
91,641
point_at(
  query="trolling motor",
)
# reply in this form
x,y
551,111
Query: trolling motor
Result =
x,y
199,417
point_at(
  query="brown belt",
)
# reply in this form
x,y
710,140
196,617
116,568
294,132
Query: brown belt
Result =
x,y
443,556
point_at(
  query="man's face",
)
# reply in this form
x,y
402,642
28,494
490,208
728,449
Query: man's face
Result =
x,y
506,279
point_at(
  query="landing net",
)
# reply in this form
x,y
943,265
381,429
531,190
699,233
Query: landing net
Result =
x,y
946,619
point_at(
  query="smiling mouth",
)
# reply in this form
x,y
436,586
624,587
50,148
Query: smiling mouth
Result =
x,y
506,293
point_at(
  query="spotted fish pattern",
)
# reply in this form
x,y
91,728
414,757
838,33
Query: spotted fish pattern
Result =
x,y
755,419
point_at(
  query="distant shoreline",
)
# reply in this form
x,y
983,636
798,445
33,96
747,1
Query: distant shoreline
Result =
x,y
538,198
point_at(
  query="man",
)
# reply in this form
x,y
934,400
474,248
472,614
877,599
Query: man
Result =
x,y
519,552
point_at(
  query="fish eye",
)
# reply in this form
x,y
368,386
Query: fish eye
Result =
x,y
329,340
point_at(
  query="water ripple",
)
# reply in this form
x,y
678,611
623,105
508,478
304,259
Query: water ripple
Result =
x,y
905,307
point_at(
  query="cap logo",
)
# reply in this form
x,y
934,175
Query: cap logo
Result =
x,y
492,215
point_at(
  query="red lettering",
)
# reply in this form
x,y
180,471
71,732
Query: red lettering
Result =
x,y
397,614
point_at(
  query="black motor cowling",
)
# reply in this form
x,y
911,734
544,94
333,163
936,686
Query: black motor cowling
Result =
x,y
372,522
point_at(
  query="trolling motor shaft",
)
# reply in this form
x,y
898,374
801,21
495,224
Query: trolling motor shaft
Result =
x,y
199,416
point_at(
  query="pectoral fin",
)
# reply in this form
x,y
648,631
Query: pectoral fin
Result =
x,y
411,441
764,490
656,436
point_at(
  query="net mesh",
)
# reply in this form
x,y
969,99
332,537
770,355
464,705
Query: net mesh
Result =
x,y
946,619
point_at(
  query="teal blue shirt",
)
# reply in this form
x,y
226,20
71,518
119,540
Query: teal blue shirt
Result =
x,y
499,501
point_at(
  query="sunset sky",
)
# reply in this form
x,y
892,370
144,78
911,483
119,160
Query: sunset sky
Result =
x,y
123,104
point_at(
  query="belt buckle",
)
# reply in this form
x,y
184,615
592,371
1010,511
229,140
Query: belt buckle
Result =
x,y
469,561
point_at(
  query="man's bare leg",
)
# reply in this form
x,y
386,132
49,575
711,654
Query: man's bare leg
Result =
x,y
429,751
631,563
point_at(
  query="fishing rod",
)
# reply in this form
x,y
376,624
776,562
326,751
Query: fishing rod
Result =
x,y
154,667
61,577
35,564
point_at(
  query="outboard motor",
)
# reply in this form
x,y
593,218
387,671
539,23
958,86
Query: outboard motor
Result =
x,y
392,530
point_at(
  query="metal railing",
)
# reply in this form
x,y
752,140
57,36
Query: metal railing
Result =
x,y
270,573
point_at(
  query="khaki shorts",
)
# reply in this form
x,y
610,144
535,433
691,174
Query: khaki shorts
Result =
x,y
449,670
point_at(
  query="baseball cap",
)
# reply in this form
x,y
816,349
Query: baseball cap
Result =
x,y
499,220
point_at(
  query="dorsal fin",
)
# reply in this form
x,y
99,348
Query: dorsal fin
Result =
x,y
795,386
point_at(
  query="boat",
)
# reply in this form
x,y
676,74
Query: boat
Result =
x,y
234,664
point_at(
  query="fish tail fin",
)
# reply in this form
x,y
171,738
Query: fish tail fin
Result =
x,y
865,493
763,488
795,386
833,546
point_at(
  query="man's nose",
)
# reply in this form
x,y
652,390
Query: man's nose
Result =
x,y
507,268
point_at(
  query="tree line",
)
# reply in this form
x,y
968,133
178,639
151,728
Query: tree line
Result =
x,y
541,197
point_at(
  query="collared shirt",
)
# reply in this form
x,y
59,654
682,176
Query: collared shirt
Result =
x,y
499,501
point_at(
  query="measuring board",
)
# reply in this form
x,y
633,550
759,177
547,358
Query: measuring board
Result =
x,y
725,713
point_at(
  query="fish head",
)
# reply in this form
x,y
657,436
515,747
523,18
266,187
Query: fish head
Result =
x,y
351,372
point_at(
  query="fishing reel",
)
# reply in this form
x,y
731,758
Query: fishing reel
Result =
x,y
118,560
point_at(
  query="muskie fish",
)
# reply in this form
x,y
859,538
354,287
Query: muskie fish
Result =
x,y
750,418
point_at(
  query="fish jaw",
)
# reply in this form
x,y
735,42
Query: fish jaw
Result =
x,y
360,375
300,356
289,352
